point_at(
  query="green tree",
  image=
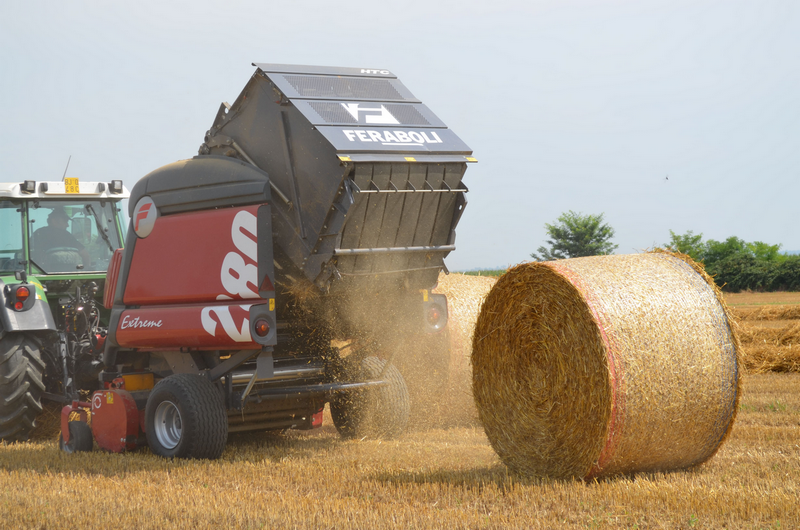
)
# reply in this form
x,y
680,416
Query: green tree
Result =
x,y
719,250
766,252
576,235
688,243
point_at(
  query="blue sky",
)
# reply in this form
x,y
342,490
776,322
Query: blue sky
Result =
x,y
568,105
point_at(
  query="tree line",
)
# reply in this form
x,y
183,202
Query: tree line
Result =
x,y
735,264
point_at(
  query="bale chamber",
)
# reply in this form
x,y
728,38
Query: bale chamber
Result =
x,y
590,367
366,179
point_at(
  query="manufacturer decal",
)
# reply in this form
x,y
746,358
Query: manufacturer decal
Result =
x,y
372,115
144,217
239,278
368,71
137,322
394,137
223,314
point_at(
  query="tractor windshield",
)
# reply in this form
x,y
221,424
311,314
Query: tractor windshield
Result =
x,y
12,255
72,236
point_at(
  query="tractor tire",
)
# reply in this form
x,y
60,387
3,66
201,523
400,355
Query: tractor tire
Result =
x,y
80,438
21,385
380,412
185,418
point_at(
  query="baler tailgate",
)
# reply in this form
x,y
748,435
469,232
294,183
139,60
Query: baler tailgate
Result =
x,y
372,176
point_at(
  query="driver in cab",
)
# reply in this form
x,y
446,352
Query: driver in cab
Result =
x,y
53,244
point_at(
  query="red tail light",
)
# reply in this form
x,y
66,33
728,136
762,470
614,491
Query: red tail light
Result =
x,y
22,293
434,315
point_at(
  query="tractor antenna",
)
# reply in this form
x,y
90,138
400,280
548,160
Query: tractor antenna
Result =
x,y
66,168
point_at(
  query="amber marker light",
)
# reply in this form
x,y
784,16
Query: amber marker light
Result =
x,y
262,327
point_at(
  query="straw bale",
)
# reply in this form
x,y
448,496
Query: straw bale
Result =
x,y
465,294
603,365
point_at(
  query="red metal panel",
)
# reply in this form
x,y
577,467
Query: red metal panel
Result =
x,y
115,420
111,279
219,325
196,257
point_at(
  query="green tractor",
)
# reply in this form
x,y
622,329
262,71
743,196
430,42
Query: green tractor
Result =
x,y
56,241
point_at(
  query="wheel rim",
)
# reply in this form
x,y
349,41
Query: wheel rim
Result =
x,y
167,424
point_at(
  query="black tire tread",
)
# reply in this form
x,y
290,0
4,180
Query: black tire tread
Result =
x,y
380,412
205,421
21,385
80,438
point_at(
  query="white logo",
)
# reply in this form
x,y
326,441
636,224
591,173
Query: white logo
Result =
x,y
368,71
228,325
137,322
373,116
393,137
238,278
144,217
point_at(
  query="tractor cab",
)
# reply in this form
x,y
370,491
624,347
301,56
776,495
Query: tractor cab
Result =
x,y
58,228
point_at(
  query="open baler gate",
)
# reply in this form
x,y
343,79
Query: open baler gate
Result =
x,y
366,180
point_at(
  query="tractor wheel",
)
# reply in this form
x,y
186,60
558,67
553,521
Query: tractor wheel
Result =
x,y
380,412
21,385
80,438
185,418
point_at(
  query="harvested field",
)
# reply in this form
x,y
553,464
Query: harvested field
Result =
x,y
432,478
773,298
768,312
769,328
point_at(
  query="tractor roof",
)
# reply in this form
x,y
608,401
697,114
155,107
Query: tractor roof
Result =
x,y
70,189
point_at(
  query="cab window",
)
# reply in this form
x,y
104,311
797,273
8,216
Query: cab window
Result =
x,y
72,236
11,252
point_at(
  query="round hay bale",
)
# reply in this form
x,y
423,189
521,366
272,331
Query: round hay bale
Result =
x,y
596,366
465,294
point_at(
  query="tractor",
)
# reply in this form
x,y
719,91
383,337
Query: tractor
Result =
x,y
56,242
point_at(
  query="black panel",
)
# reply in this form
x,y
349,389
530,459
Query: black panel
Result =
x,y
202,182
319,86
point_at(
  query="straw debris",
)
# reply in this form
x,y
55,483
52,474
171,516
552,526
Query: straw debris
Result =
x,y
596,366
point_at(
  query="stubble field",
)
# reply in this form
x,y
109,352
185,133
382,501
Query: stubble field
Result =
x,y
432,477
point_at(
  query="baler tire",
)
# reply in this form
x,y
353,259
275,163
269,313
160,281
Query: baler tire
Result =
x,y
380,412
21,385
80,438
195,407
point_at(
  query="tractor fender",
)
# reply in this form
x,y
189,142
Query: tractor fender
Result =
x,y
36,318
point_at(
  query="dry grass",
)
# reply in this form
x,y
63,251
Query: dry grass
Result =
x,y
427,479
769,325
604,365
768,312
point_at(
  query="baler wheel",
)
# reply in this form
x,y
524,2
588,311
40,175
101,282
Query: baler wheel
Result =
x,y
380,412
80,438
21,385
185,418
